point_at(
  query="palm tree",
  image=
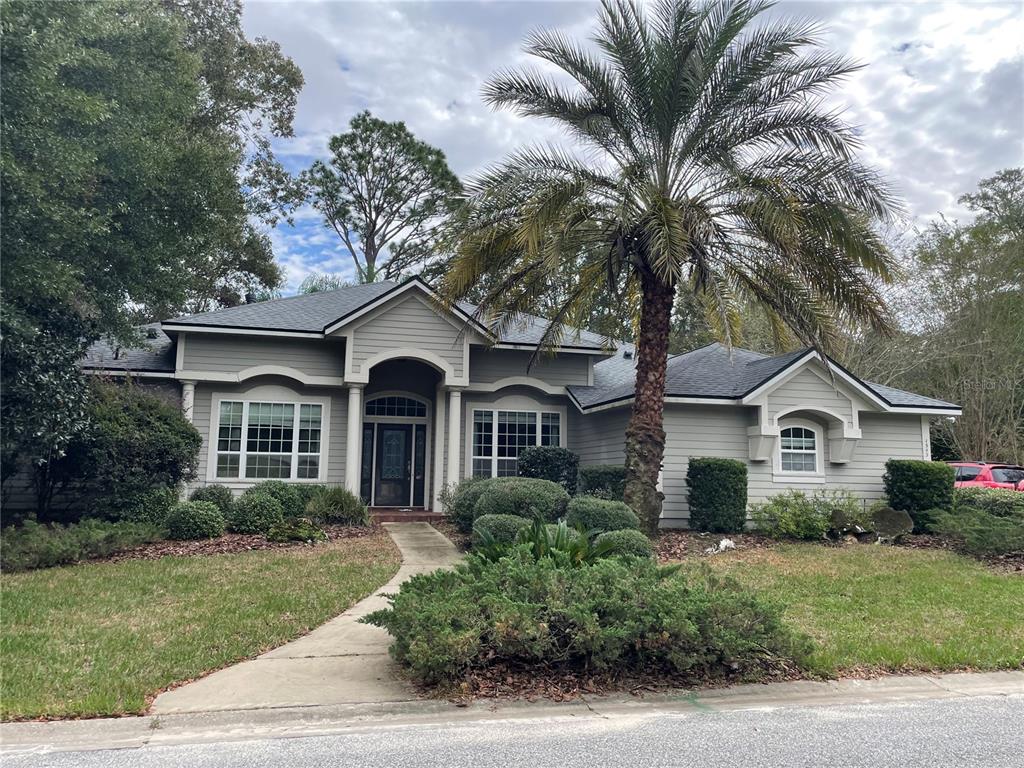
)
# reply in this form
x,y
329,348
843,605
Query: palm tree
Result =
x,y
703,159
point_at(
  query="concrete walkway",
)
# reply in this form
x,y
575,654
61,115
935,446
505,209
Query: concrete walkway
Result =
x,y
341,662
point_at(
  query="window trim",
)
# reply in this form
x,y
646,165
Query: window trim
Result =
x,y
818,475
511,403
275,395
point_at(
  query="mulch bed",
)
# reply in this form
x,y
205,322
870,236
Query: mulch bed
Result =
x,y
504,681
1012,562
681,545
457,537
232,543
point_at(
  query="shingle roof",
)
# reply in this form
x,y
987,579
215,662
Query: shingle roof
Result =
x,y
312,313
713,372
155,356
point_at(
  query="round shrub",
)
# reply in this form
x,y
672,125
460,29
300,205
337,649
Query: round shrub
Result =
x,y
502,528
592,513
612,615
194,520
152,507
338,505
627,542
308,491
917,486
220,495
286,494
254,513
461,502
523,496
717,495
559,465
606,481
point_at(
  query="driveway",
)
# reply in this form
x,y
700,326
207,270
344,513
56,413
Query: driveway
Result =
x,y
341,662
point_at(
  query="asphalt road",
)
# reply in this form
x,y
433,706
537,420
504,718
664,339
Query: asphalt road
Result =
x,y
983,731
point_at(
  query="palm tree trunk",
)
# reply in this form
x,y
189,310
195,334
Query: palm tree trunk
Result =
x,y
645,435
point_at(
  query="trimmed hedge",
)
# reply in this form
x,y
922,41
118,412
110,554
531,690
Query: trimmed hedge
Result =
x,y
338,505
718,494
917,486
33,545
460,505
502,528
559,465
215,494
592,513
605,481
626,542
522,496
286,494
256,512
624,617
195,520
1001,502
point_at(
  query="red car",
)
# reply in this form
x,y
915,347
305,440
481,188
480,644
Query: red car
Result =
x,y
976,474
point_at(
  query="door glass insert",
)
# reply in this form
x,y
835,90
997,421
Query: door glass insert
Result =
x,y
392,465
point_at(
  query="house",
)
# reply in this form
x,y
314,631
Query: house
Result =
x,y
379,388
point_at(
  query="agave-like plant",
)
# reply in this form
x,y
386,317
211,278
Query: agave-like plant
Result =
x,y
703,159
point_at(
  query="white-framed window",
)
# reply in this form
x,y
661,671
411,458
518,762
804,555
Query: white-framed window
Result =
x,y
499,434
264,439
800,449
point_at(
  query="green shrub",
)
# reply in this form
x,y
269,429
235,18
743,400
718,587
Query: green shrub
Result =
x,y
296,529
499,529
308,491
287,495
610,616
845,512
559,465
605,481
219,495
523,496
152,507
1001,502
791,515
460,501
593,514
33,545
569,547
627,542
194,520
255,512
135,443
338,506
717,495
982,534
917,486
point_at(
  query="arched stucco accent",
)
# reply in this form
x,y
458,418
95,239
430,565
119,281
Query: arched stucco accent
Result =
x,y
407,353
518,381
288,372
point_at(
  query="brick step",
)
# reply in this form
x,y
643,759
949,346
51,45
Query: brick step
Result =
x,y
412,515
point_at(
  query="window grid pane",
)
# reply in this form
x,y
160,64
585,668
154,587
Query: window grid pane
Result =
x,y
395,406
798,450
229,439
516,430
550,429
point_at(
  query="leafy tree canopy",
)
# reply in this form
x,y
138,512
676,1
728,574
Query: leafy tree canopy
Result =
x,y
382,191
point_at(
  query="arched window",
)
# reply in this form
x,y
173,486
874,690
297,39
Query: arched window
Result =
x,y
798,450
393,405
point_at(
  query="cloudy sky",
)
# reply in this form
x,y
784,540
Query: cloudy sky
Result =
x,y
940,103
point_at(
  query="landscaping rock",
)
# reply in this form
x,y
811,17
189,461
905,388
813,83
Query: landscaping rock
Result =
x,y
891,524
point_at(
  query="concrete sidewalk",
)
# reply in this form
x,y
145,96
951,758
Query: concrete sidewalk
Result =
x,y
341,662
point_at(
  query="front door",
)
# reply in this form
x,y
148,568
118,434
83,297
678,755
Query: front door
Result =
x,y
394,465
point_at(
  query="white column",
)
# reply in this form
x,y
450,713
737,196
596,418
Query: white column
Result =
x,y
439,426
454,435
188,399
354,442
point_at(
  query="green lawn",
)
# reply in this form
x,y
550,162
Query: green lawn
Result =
x,y
876,608
104,638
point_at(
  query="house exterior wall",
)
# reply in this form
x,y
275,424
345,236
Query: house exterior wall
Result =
x,y
806,389
407,322
230,354
490,365
206,422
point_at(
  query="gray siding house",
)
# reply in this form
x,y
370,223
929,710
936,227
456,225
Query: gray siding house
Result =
x,y
379,388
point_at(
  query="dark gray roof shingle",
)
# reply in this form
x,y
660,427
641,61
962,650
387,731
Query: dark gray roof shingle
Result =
x,y
155,356
713,372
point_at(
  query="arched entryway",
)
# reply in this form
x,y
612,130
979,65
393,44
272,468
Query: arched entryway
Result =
x,y
395,449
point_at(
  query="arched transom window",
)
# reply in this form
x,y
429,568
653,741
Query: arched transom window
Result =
x,y
395,405
798,450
